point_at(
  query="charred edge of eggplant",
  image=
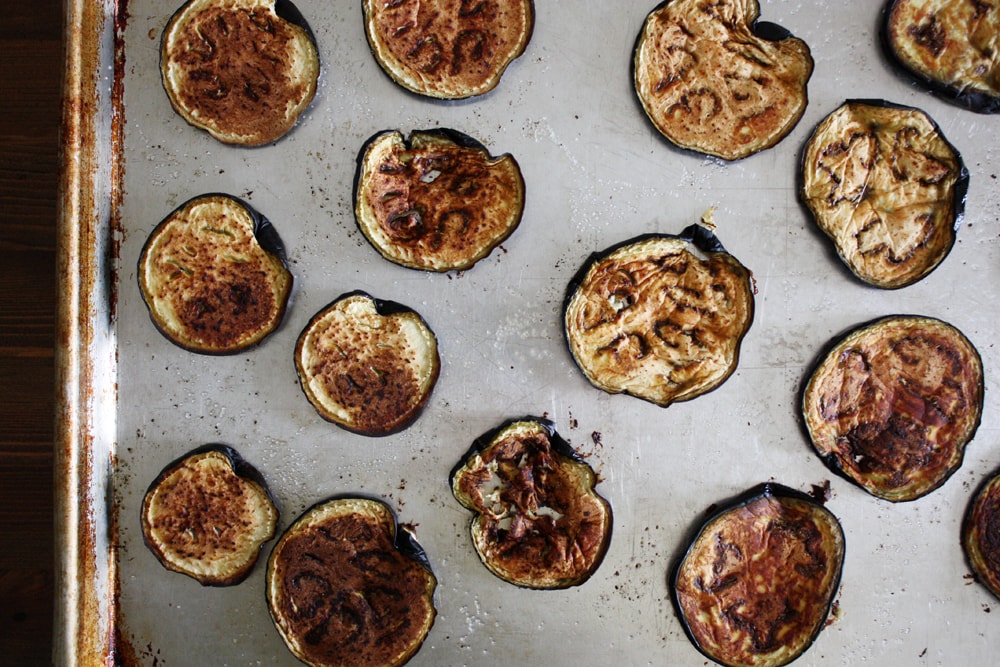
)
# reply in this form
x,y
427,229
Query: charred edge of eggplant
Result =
x,y
383,307
967,520
973,101
288,11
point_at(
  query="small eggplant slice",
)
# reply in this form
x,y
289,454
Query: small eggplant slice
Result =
x,y
207,514
242,70
886,187
213,275
437,201
347,587
538,522
367,365
981,534
756,584
660,317
447,49
893,403
712,82
950,46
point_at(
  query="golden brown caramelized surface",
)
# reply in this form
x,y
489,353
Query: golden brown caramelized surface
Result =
x,y
981,534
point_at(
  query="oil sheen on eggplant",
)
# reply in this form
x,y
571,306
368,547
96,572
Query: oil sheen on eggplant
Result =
x,y
538,522
213,275
886,187
981,533
756,584
893,403
243,70
348,587
447,49
713,80
437,200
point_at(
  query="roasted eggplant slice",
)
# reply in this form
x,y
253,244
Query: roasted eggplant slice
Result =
x,y
437,201
207,514
213,275
893,403
713,80
756,584
885,185
347,587
448,49
948,45
367,365
538,522
660,317
981,534
243,70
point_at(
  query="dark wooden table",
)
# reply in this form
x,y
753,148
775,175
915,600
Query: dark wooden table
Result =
x,y
31,69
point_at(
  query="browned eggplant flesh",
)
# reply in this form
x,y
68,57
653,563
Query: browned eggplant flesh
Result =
x,y
538,522
213,275
756,584
886,187
981,534
348,587
714,80
893,403
207,515
436,201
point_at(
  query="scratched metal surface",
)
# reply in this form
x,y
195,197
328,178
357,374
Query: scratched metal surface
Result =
x,y
596,173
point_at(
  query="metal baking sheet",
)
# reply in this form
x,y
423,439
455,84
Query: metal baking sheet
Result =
x,y
596,173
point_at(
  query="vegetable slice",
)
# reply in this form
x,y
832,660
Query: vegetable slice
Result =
x,y
893,403
538,521
885,185
207,515
347,587
367,365
660,317
756,584
714,80
448,49
436,201
242,70
213,275
981,534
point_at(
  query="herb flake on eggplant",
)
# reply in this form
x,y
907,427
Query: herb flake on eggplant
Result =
x,y
981,534
893,403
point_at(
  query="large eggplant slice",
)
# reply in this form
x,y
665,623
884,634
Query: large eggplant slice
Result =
x,y
447,49
213,275
981,534
347,587
756,584
367,365
243,70
436,201
660,317
538,521
207,514
885,185
893,403
714,80
948,45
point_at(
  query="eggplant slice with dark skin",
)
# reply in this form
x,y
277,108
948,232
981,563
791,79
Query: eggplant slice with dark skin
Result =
x,y
367,365
447,49
981,534
213,275
949,46
207,515
437,200
242,70
538,522
756,584
893,403
713,80
660,317
348,587
883,183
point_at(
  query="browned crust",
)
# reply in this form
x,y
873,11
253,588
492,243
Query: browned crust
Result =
x,y
981,534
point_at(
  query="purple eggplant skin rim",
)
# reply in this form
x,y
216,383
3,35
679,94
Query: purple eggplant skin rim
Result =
x,y
830,460
991,478
975,102
714,511
958,205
